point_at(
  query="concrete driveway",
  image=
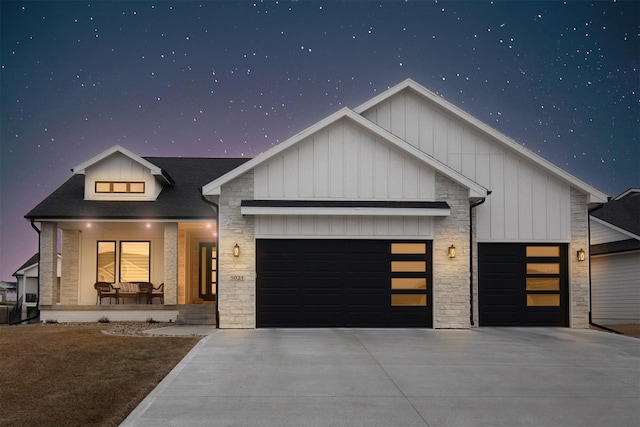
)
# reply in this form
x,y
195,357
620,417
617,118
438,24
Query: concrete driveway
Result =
x,y
401,377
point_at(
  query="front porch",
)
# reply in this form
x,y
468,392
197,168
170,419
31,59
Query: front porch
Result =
x,y
182,256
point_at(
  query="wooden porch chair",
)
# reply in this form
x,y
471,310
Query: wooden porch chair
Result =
x,y
144,291
105,290
157,293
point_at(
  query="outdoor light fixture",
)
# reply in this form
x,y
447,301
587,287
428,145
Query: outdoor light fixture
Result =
x,y
452,251
236,250
581,255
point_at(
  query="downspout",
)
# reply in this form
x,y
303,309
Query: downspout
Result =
x,y
37,315
217,210
478,203
591,322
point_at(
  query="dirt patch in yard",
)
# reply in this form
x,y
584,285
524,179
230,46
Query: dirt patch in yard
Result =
x,y
628,329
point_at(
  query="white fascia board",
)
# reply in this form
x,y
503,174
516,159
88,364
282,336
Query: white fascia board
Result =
x,y
346,211
613,227
475,190
594,195
155,170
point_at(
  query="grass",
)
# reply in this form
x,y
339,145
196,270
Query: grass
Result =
x,y
76,375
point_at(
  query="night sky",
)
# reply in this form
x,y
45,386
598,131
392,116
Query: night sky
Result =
x,y
232,79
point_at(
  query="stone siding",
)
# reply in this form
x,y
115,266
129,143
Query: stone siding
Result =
x,y
579,270
48,265
451,275
237,276
70,262
170,264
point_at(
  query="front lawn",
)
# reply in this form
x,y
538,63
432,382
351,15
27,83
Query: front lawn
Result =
x,y
54,375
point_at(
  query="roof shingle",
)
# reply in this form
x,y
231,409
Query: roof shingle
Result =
x,y
183,200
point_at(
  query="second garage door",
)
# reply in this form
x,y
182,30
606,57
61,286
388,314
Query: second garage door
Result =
x,y
523,284
343,283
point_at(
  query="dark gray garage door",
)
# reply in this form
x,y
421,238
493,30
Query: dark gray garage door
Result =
x,y
523,284
343,283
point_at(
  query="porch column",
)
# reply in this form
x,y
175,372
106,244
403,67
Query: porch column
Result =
x,y
171,264
48,265
70,261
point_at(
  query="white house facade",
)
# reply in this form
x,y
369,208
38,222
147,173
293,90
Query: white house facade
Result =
x,y
402,212
615,260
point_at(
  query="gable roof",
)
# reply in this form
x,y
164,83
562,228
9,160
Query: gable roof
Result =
x,y
155,170
35,259
475,189
594,195
622,213
182,200
30,263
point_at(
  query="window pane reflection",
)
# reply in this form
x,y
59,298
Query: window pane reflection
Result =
x,y
409,283
549,251
408,299
408,248
543,284
408,266
543,300
540,268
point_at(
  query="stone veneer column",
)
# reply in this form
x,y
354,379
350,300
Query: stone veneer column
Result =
x,y
579,270
170,263
70,263
48,264
451,276
236,275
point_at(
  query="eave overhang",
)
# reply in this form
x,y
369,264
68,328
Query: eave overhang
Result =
x,y
343,208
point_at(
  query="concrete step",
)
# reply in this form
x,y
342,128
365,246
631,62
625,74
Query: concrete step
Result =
x,y
196,314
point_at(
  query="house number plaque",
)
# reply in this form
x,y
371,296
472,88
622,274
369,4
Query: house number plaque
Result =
x,y
237,278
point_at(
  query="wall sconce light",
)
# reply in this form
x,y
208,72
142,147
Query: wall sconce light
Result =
x,y
452,251
236,250
581,255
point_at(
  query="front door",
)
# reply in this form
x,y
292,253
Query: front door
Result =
x,y
208,271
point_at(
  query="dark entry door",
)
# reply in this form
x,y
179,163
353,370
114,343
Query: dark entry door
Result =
x,y
523,284
208,271
350,283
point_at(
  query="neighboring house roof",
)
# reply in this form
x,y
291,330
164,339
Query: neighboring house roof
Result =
x,y
594,195
32,261
182,200
9,286
622,212
614,247
475,189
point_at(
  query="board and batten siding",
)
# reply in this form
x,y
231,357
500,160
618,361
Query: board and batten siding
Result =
x,y
352,227
615,288
344,162
119,167
526,203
